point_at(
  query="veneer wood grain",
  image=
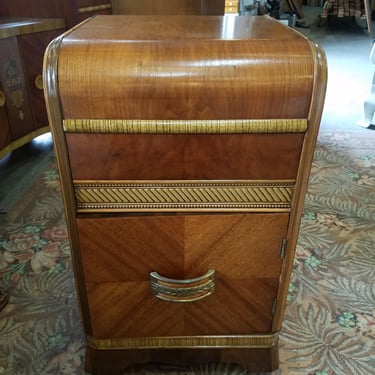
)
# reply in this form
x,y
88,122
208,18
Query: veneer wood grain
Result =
x,y
153,157
184,148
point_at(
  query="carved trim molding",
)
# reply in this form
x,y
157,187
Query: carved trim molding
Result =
x,y
185,126
182,196
249,341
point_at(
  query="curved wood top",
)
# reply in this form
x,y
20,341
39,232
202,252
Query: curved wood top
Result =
x,y
185,67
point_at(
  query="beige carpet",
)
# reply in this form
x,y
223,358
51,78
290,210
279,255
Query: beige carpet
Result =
x,y
329,326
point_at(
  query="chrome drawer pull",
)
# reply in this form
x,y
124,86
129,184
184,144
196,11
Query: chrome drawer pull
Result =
x,y
190,290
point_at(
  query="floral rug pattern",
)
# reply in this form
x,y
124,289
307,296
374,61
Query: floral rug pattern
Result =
x,y
329,326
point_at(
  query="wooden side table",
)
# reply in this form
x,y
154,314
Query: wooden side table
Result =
x,y
184,146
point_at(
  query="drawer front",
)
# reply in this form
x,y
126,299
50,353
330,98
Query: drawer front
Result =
x,y
185,157
119,253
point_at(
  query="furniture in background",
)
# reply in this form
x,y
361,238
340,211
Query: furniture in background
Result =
x,y
184,146
23,114
72,11
159,7
26,28
356,9
25,31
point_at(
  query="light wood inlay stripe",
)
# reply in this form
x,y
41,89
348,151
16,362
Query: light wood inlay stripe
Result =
x,y
185,126
250,341
96,196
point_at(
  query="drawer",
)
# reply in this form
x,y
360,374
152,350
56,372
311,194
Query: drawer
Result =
x,y
119,253
184,156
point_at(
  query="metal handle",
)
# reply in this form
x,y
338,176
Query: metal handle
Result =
x,y
2,98
39,82
190,290
95,8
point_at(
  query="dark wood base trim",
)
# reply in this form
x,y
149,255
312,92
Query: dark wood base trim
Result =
x,y
115,362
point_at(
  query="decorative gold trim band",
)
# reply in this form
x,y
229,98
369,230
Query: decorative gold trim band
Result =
x,y
185,126
122,196
194,342
95,8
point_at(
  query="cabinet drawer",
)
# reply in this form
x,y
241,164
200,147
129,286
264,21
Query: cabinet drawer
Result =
x,y
185,157
119,253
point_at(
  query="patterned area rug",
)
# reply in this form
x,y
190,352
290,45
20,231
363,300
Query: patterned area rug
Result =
x,y
329,325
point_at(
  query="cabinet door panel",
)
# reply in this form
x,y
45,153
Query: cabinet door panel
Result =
x,y
15,90
119,253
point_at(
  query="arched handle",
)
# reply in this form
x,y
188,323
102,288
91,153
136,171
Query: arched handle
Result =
x,y
190,290
38,82
2,99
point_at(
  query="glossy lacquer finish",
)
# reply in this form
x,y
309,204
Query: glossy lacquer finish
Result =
x,y
185,68
245,256
186,157
184,145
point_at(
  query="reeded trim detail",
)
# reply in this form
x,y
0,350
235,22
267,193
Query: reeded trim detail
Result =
x,y
195,342
122,196
185,126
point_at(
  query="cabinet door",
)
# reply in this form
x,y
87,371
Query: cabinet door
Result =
x,y
13,81
119,253
5,135
32,48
